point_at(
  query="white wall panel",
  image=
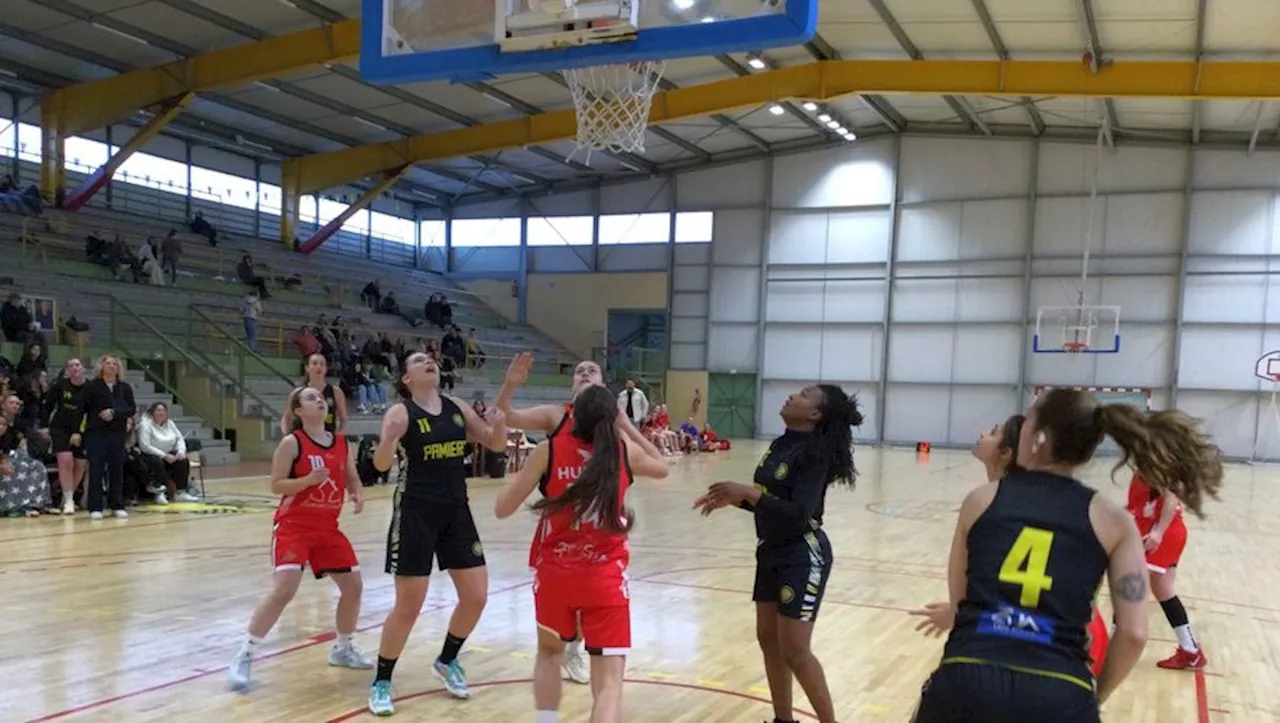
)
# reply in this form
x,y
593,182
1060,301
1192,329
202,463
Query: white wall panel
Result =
x,y
686,303
989,300
739,237
735,294
691,278
929,233
641,257
732,347
993,229
502,208
974,410
859,174
1149,223
920,353
903,420
774,393
943,169
1146,353
1233,169
639,197
1232,222
688,331
741,184
925,299
853,301
1062,223
576,203
560,258
1220,357
686,254
1140,298
986,355
798,238
814,351
1069,168
1238,299
688,356
1231,417
858,237
795,301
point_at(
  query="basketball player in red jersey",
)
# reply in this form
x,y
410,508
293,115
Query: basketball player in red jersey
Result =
x,y
555,420
580,548
310,471
1164,536
997,450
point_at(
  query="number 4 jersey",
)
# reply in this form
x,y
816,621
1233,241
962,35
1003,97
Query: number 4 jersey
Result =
x,y
1033,571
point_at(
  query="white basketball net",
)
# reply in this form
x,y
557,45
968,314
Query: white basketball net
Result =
x,y
612,103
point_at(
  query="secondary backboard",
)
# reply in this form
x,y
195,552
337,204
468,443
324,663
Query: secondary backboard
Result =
x,y
406,41
1268,367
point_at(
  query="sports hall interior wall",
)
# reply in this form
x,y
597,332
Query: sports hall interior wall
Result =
x,y
911,269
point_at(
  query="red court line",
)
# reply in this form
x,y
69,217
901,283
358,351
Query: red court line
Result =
x,y
1202,698
310,642
631,681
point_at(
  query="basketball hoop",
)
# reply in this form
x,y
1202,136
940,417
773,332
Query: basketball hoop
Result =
x,y
612,103
1074,347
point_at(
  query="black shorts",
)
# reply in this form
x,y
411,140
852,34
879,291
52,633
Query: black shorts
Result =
x,y
965,692
60,441
795,579
443,531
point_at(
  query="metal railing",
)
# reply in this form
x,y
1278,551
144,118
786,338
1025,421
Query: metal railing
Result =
x,y
140,341
237,356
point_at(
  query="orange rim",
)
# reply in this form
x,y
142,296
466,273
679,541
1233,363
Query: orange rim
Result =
x,y
1074,347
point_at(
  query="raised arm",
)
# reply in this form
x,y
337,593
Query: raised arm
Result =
x,y
492,433
524,483
394,424
542,418
643,464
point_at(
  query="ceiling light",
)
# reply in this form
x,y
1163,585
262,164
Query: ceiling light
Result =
x,y
810,106
682,4
824,118
850,137
776,109
832,124
756,63
708,19
841,130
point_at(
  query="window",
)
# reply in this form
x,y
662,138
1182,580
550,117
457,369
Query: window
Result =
x,y
222,187
432,233
561,230
486,232
270,196
307,209
358,223
695,227
635,228
85,155
391,228
29,142
144,169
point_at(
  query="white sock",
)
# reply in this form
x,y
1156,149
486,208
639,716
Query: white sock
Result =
x,y
573,647
250,646
343,640
1186,640
548,716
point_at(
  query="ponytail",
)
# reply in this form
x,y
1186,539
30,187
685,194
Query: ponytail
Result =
x,y
596,496
1169,451
832,441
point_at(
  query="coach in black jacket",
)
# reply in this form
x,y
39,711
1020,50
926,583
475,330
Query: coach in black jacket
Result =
x,y
109,409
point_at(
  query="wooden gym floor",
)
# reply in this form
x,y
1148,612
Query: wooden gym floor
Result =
x,y
136,620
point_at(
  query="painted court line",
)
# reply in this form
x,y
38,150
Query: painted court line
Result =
x,y
630,681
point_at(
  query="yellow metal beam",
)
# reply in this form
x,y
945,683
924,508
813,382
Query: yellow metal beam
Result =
x,y
329,229
98,103
821,81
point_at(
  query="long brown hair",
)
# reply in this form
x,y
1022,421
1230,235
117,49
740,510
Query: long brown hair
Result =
x,y
596,495
1169,448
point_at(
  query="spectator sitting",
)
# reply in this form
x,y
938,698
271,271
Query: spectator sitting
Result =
x,y
164,451
448,375
97,250
121,258
33,390
688,436
446,312
245,272
7,184
392,307
370,395
170,252
306,342
475,353
204,228
372,296
32,359
25,489
16,322
431,310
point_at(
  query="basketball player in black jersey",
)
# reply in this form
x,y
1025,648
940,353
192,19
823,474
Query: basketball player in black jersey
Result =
x,y
314,372
431,519
66,430
1028,555
793,555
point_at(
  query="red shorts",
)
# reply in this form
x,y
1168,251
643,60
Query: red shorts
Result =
x,y
1170,550
562,601
1099,641
325,551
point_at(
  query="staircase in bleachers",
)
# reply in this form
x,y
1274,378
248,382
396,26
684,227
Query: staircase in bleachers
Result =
x,y
204,309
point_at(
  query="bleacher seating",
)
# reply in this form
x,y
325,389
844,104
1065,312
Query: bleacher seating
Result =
x,y
50,253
